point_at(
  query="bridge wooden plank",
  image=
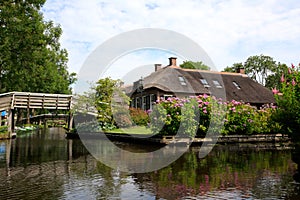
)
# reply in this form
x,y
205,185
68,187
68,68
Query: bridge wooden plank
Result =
x,y
48,106
10,101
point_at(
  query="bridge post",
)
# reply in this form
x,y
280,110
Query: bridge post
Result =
x,y
70,121
7,154
45,122
28,110
11,122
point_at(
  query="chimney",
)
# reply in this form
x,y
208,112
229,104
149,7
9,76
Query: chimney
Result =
x,y
157,67
172,61
240,70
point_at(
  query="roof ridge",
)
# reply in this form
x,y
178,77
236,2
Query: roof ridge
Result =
x,y
213,72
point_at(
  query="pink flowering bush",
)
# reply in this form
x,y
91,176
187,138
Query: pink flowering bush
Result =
x,y
189,116
288,101
239,118
195,116
174,115
243,118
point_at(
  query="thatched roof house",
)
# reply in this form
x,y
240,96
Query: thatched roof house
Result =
x,y
175,81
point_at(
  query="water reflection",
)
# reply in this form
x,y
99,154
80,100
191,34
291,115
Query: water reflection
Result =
x,y
47,166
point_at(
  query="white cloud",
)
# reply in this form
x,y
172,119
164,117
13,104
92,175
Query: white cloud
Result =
x,y
229,31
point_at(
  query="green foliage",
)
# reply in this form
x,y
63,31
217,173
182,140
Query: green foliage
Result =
x,y
260,67
189,122
203,113
234,68
263,69
31,58
103,99
175,115
194,65
91,126
139,116
244,119
273,80
110,101
85,102
3,129
122,119
288,112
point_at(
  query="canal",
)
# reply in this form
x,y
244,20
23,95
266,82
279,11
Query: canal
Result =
x,y
45,165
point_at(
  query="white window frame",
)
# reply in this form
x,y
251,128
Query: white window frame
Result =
x,y
236,85
166,96
151,102
217,84
204,82
182,80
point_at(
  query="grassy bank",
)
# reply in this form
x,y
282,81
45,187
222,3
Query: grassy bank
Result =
x,y
131,130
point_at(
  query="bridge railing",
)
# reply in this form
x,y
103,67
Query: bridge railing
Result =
x,y
28,100
35,100
5,101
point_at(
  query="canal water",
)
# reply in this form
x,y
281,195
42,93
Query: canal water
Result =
x,y
45,165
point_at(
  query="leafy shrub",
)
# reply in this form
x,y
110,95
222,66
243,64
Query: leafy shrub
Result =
x,y
139,116
264,120
91,126
239,118
173,116
122,119
3,129
288,101
203,113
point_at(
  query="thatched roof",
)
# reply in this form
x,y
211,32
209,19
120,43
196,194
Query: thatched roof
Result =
x,y
167,80
233,86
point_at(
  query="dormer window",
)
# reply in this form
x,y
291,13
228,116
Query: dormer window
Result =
x,y
217,84
236,85
204,82
181,80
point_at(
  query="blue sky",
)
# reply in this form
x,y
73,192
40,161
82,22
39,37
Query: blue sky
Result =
x,y
229,31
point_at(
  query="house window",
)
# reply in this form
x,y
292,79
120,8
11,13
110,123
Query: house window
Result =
x,y
147,103
138,102
133,103
217,84
166,96
181,80
152,100
236,85
204,82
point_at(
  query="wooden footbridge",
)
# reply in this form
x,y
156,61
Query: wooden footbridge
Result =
x,y
12,101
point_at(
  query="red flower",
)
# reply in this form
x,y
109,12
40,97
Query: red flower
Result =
x,y
275,91
282,78
293,82
293,66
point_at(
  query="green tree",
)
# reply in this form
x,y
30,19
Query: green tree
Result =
x,y
194,65
273,80
288,101
234,67
260,67
111,103
31,58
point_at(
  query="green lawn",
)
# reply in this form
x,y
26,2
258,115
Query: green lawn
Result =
x,y
132,130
